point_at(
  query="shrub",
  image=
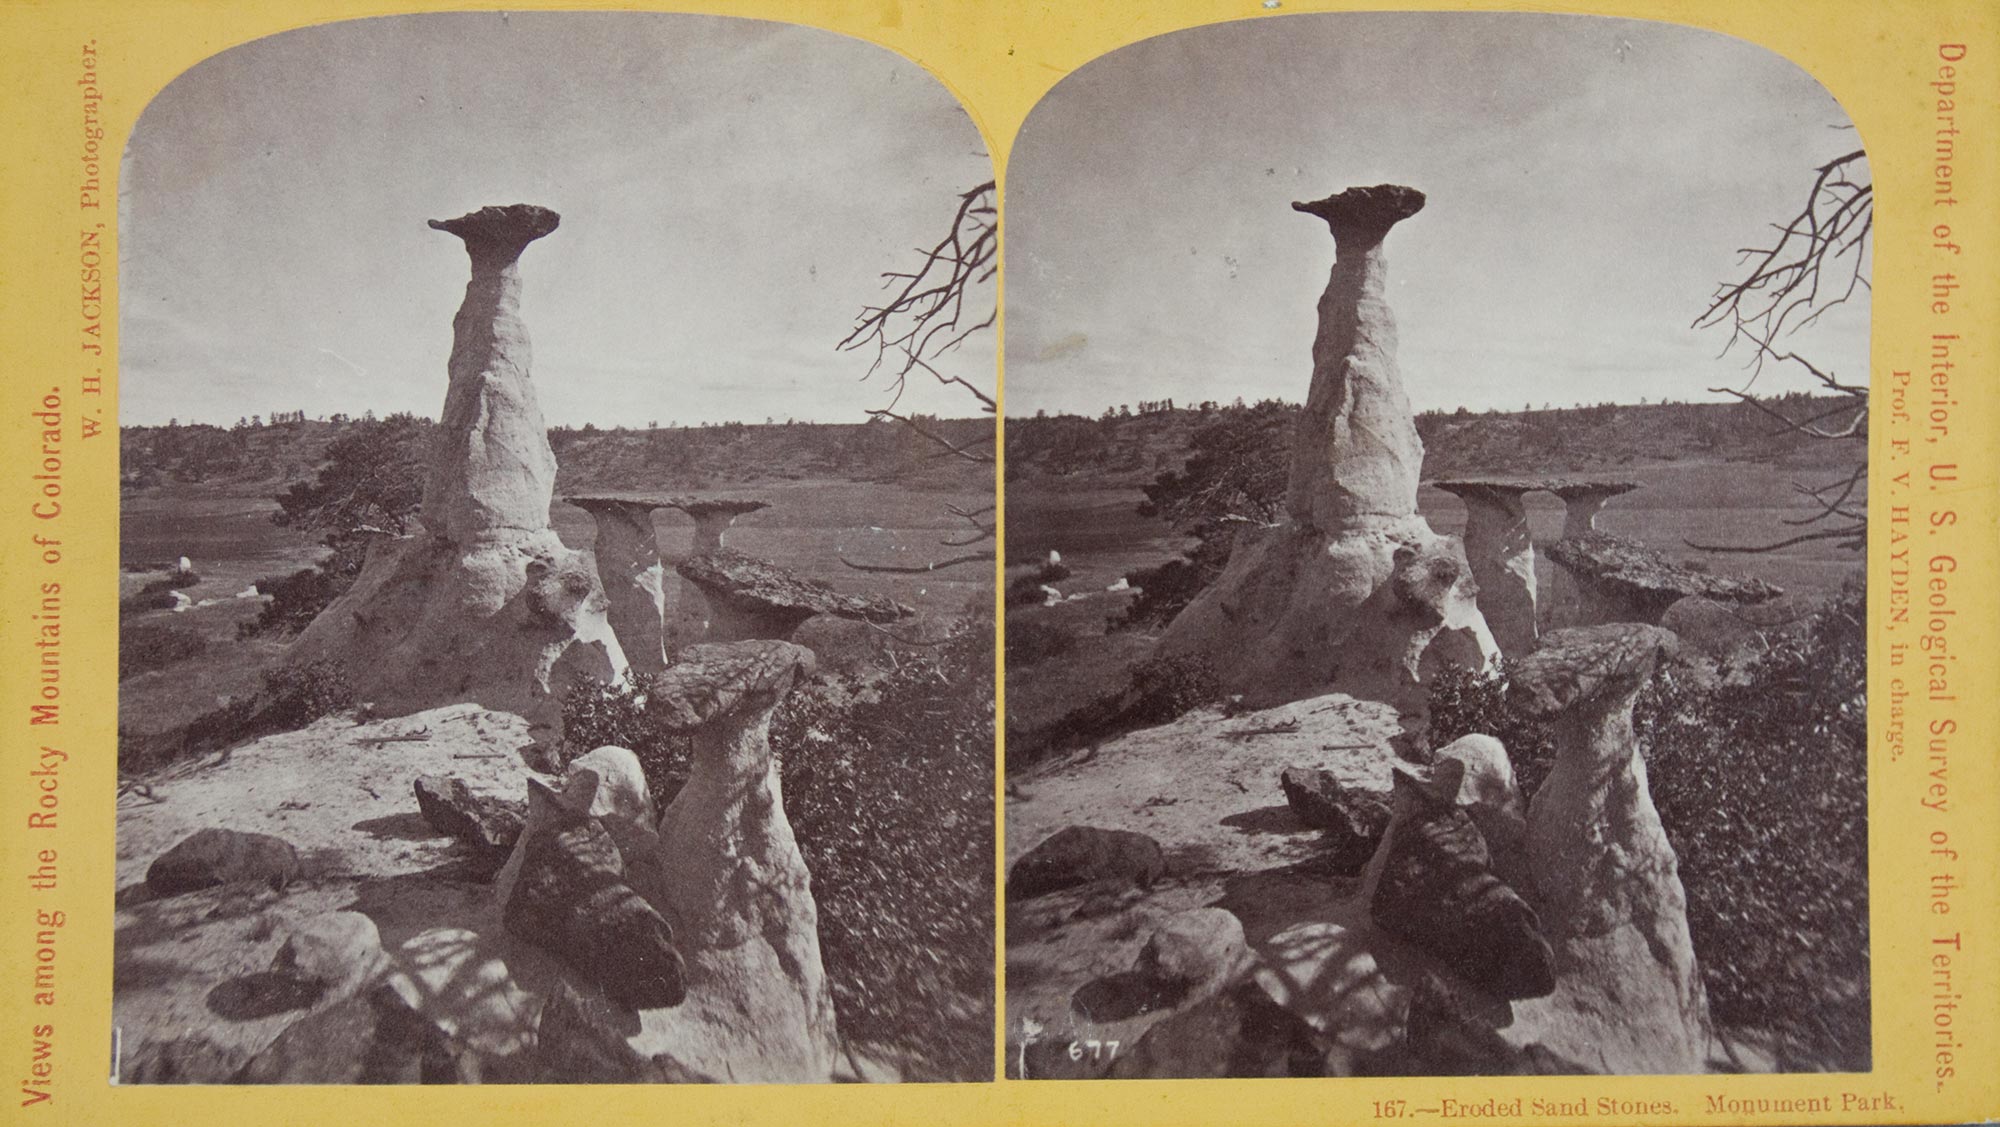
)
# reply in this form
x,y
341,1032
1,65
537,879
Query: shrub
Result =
x,y
157,594
1760,781
1026,590
1029,643
1157,691
1166,590
291,697
298,598
144,647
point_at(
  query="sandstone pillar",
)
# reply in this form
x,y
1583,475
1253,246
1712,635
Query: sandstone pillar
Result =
x,y
737,891
1629,996
712,519
487,605
1349,591
492,467
1583,500
634,579
1501,552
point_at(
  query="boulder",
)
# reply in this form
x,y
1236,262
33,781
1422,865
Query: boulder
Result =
x,y
1629,996
371,1038
1239,1032
584,1039
1190,956
1353,820
571,899
1610,578
342,951
458,980
488,824
1078,855
1434,886
218,856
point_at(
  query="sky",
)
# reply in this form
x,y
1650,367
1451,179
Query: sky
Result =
x,y
730,192
1589,183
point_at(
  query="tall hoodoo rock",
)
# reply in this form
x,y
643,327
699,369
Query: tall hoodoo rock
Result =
x,y
1357,455
492,468
634,579
1583,500
1351,589
737,891
1501,550
486,605
712,518
1629,995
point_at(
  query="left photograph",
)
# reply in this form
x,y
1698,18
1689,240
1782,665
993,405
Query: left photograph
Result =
x,y
615,709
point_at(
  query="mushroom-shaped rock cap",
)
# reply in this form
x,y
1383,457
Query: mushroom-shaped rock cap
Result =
x,y
701,507
1570,490
1586,663
717,678
616,504
500,233
1366,209
1647,578
761,587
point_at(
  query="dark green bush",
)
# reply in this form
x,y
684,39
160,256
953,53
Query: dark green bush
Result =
x,y
1031,642
146,646
1761,784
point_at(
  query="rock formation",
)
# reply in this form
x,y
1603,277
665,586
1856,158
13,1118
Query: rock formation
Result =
x,y
634,579
712,518
747,598
758,1007
1583,500
1349,590
1629,995
215,856
1501,552
486,604
1606,578
1078,855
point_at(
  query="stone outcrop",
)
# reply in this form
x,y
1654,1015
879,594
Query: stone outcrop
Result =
x,y
1352,587
571,898
1501,552
634,580
1609,578
1629,995
485,604
1434,886
748,599
758,1007
490,825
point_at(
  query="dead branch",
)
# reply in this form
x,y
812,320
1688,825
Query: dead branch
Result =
x,y
919,569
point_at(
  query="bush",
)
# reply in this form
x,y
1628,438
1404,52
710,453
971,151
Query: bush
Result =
x,y
298,598
291,697
1761,784
144,647
1026,590
1166,590
888,785
1029,643
1157,691
157,594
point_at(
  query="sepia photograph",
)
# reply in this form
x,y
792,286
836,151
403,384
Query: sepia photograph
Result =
x,y
557,544
1436,475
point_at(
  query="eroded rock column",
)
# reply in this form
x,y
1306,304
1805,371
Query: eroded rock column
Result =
x,y
1629,996
634,579
758,1007
1350,590
487,605
1583,500
1501,552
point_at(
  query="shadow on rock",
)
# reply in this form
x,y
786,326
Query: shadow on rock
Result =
x,y
262,994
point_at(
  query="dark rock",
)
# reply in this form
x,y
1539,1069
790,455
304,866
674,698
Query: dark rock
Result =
x,y
371,1038
571,899
1636,582
192,1059
582,1039
1240,1032
1353,821
211,857
1588,666
1375,208
1438,890
1444,1037
485,823
1086,855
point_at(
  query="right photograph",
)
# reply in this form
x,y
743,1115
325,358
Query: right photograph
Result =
x,y
1436,477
